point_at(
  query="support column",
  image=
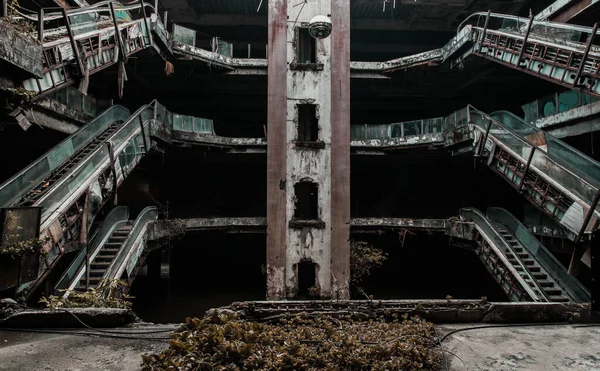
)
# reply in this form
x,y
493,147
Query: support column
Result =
x,y
340,148
276,149
308,207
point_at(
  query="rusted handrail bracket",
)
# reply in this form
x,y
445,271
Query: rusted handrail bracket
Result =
x,y
485,26
146,24
526,170
585,54
123,55
588,217
525,40
73,43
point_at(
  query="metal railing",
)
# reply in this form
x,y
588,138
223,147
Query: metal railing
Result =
x,y
570,284
576,175
116,218
500,247
25,180
133,247
556,103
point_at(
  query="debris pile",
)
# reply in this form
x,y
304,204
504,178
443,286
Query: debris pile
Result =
x,y
222,341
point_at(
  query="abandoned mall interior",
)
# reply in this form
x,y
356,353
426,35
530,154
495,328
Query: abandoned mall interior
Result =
x,y
213,151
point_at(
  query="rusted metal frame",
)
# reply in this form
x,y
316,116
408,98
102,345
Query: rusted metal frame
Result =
x,y
532,58
146,24
526,170
585,54
485,26
588,217
73,43
41,25
143,132
122,55
485,137
113,170
524,45
562,78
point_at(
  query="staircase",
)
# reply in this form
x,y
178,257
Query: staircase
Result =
x,y
516,254
105,257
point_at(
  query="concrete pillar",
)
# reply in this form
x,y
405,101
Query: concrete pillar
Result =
x,y
308,163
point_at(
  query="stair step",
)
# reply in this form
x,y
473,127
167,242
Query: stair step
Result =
x,y
545,283
99,264
96,272
553,291
558,298
528,261
539,276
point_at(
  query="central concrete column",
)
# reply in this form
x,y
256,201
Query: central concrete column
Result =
x,y
308,185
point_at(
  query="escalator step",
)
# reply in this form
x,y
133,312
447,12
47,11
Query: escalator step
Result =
x,y
558,298
553,291
540,276
545,283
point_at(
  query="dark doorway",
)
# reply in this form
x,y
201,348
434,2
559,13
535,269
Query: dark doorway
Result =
x,y
307,278
307,207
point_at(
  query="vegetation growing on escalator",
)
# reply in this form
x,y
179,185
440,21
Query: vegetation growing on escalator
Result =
x,y
20,248
108,294
21,25
223,341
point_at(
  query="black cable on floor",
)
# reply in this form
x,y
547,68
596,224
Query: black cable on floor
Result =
x,y
45,331
503,326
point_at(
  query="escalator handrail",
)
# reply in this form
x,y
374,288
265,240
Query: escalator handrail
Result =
x,y
114,219
467,214
558,25
552,138
149,214
90,156
552,265
33,182
519,137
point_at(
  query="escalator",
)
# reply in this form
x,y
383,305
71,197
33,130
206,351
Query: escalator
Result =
x,y
80,174
83,172
558,52
93,38
525,269
116,251
559,180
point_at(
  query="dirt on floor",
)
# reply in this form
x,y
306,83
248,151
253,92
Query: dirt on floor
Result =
x,y
566,347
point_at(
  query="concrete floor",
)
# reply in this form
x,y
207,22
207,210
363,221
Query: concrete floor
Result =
x,y
34,351
542,348
518,348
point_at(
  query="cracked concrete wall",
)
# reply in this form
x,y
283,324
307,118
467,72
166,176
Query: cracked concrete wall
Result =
x,y
307,86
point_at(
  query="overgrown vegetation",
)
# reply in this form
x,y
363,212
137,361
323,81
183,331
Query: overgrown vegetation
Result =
x,y
18,249
13,245
108,294
223,342
364,257
21,25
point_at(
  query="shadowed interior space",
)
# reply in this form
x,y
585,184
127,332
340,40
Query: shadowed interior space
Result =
x,y
207,270
422,266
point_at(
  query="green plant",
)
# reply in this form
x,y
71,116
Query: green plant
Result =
x,y
14,245
108,294
223,341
